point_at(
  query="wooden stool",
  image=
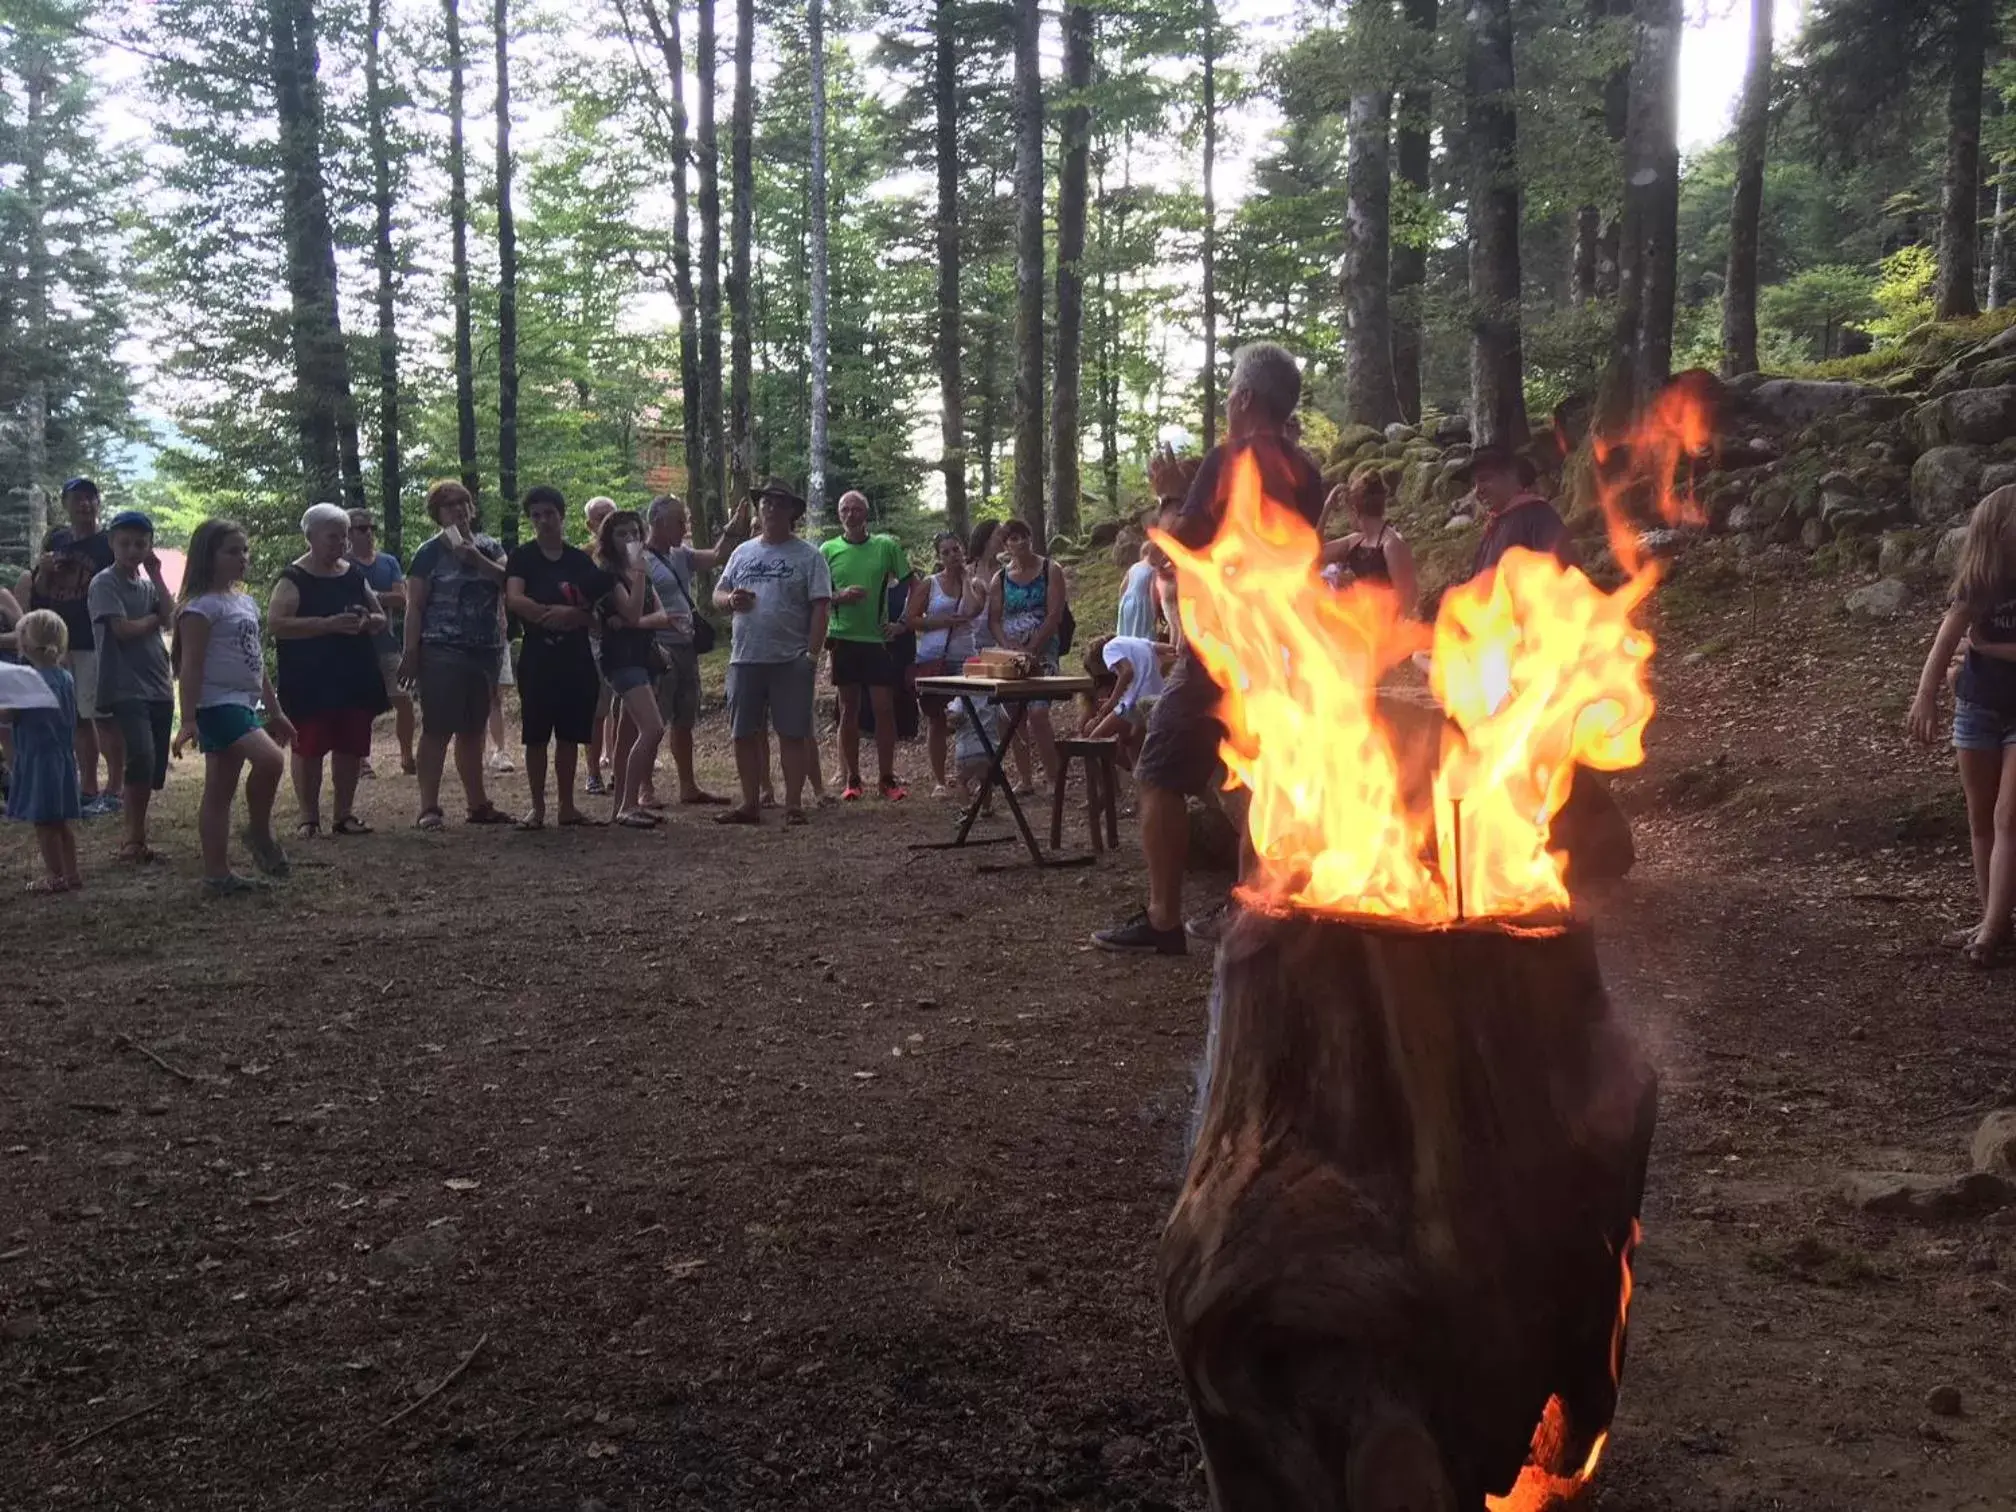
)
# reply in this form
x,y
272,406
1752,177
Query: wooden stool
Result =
x,y
1102,790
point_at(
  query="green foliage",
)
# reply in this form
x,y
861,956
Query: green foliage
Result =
x,y
1904,292
1816,304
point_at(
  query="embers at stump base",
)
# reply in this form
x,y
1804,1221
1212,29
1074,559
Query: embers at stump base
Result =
x,y
1403,1227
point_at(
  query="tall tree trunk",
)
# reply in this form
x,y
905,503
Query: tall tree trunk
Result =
x,y
1960,213
990,401
507,292
1029,267
1595,252
815,487
1209,45
665,32
1074,164
707,499
1370,394
951,400
34,345
1109,357
1412,148
1497,367
1642,352
458,277
323,405
741,232
386,264
1753,119
1998,246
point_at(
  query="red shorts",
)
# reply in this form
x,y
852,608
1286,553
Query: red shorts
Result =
x,y
333,732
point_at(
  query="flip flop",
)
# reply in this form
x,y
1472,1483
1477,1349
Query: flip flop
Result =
x,y
489,813
637,819
582,821
430,820
707,800
307,829
1986,955
529,824
653,805
795,816
48,887
138,854
737,816
349,824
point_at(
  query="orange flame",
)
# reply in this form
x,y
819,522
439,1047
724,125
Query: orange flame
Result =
x,y
1536,668
1541,1485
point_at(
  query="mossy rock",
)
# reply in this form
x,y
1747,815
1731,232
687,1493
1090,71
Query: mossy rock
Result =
x,y
1350,438
1417,485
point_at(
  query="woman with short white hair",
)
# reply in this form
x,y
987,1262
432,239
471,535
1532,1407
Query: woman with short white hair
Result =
x,y
324,616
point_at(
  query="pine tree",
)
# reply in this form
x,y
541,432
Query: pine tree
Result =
x,y
951,387
1753,120
385,264
741,421
507,289
1497,368
708,487
1029,266
815,487
458,231
1080,40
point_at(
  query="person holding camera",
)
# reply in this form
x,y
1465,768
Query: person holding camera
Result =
x,y
325,620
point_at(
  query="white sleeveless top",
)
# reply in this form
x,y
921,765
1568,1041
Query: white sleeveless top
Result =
x,y
953,645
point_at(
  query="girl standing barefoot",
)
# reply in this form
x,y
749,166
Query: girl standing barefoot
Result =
x,y
44,787
1984,717
222,679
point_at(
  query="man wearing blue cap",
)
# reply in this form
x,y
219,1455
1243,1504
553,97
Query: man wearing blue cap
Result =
x,y
130,608
60,581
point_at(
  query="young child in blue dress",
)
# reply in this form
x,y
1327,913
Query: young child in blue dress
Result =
x,y
44,790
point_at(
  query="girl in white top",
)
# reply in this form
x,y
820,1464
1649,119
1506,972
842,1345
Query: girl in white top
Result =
x,y
221,675
943,610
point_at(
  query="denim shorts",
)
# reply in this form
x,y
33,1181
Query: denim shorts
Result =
x,y
1976,727
221,726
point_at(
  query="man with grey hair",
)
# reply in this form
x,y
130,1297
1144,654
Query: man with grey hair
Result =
x,y
672,564
1180,756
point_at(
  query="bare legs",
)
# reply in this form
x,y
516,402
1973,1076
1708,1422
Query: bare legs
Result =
x,y
402,725
259,760
883,701
58,844
637,748
1989,781
468,766
1044,735
1165,846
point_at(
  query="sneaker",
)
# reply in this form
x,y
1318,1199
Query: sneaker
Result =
x,y
850,794
231,884
893,790
102,806
1138,937
1208,927
597,786
499,762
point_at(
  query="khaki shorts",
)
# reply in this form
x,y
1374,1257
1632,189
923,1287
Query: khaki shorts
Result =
x,y
455,690
679,688
84,669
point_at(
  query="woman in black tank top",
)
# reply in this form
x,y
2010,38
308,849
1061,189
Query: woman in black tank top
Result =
x,y
1374,551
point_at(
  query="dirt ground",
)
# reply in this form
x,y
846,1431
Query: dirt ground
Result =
x,y
794,1169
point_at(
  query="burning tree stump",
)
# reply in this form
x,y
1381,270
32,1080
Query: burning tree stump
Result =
x,y
1399,1262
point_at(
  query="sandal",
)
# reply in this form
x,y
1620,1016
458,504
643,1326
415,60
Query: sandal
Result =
x,y
1984,954
581,821
707,800
307,829
430,820
489,813
266,852
139,853
653,805
349,824
795,816
48,887
737,816
637,819
530,824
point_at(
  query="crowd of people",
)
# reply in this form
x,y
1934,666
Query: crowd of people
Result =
x,y
607,664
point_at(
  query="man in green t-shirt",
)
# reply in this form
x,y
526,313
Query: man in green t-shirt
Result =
x,y
863,568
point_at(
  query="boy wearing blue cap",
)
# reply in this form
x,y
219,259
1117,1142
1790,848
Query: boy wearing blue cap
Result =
x,y
130,607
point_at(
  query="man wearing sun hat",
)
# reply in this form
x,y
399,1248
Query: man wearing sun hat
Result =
x,y
779,587
1514,515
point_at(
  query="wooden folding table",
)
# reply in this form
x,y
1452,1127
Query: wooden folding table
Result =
x,y
1015,695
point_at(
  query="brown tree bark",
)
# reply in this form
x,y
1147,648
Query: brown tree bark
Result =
x,y
385,264
1408,1212
1029,267
1371,396
706,503
32,334
665,32
1641,354
458,275
741,234
1960,213
1595,251
815,479
1209,48
951,387
1412,160
507,291
325,412
1072,175
1497,364
1753,120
